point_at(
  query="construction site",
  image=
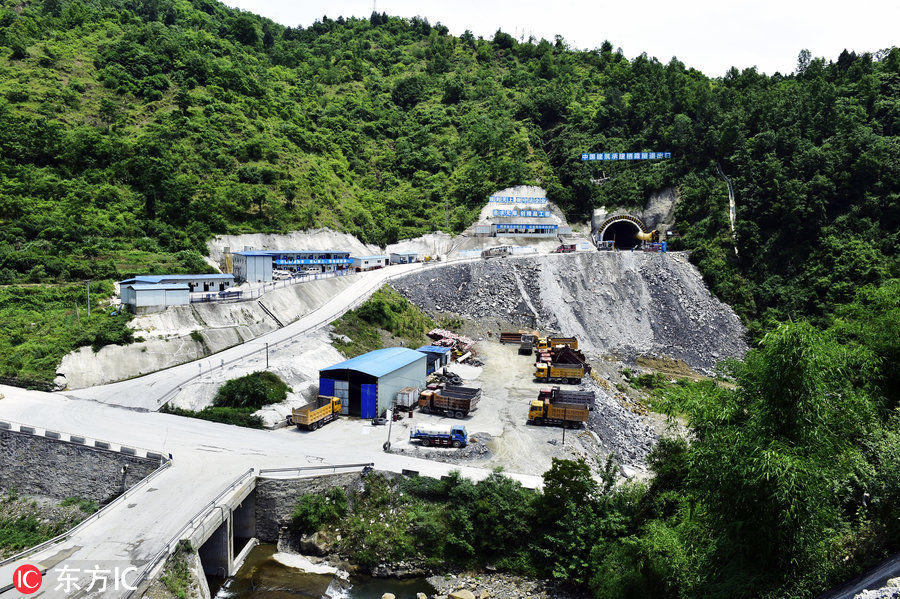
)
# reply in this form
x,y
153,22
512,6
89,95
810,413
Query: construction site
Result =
x,y
548,317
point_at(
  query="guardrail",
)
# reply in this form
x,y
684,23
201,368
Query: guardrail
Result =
x,y
177,537
95,516
251,294
299,469
7,425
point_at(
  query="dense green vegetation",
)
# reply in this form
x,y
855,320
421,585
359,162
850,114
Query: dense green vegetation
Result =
x,y
237,399
236,416
132,130
253,390
789,484
386,316
39,324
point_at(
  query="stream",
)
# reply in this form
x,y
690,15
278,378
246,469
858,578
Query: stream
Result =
x,y
265,576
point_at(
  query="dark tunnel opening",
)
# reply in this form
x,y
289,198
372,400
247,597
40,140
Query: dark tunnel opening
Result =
x,y
624,233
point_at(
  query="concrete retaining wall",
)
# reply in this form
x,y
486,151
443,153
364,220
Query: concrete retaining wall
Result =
x,y
45,466
168,334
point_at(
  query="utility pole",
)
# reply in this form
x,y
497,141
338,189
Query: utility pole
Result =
x,y
267,355
89,297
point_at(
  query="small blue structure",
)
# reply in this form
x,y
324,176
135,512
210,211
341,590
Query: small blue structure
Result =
x,y
437,357
370,262
368,384
154,293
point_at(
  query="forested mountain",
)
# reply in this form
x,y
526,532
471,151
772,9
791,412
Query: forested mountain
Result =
x,y
132,131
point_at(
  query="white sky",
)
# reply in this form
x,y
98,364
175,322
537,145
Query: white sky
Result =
x,y
710,35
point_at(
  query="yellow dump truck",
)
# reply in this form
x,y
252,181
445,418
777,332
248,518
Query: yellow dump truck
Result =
x,y
559,373
548,342
544,412
316,413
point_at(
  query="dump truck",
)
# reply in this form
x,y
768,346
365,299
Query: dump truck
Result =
x,y
544,412
451,400
548,342
314,414
559,373
564,397
565,248
440,434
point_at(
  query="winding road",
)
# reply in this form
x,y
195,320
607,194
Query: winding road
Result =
x,y
207,456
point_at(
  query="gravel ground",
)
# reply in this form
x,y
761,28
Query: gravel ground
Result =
x,y
624,303
500,586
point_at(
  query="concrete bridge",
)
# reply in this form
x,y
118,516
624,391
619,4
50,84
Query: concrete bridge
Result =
x,y
205,495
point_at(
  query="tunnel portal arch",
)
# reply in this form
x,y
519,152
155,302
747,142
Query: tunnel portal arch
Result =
x,y
622,229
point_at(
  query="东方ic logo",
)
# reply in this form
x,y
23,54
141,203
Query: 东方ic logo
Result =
x,y
27,579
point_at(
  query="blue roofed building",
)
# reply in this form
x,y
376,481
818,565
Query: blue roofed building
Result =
x,y
257,266
368,384
370,262
154,293
437,357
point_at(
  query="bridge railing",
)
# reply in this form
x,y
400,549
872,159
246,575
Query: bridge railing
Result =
x,y
177,537
301,469
95,516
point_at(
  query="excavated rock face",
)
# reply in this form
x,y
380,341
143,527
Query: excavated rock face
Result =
x,y
627,303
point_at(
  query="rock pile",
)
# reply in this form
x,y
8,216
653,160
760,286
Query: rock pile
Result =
x,y
624,303
496,586
620,432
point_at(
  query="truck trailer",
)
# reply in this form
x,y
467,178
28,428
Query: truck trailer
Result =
x,y
548,342
543,412
440,435
450,400
565,397
559,373
314,414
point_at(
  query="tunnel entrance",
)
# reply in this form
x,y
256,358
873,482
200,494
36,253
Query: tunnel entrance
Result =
x,y
623,232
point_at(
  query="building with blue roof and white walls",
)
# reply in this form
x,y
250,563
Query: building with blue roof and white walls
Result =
x,y
437,357
404,257
257,266
370,262
368,384
154,293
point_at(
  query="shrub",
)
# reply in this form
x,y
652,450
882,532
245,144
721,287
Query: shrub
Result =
x,y
254,390
314,511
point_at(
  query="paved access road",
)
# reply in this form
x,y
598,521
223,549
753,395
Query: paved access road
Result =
x,y
148,392
207,457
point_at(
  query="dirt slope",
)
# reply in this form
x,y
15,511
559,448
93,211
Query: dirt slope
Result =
x,y
623,303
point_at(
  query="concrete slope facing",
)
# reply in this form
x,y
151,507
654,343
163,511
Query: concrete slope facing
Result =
x,y
623,303
148,392
186,333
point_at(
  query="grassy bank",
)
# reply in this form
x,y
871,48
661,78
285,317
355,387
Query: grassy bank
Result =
x,y
26,521
39,324
385,319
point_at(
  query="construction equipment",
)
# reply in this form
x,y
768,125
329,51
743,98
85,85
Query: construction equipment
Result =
x,y
548,342
450,400
544,412
314,414
497,252
559,373
524,340
565,397
440,435
565,248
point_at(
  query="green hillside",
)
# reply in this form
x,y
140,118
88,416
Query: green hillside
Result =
x,y
130,132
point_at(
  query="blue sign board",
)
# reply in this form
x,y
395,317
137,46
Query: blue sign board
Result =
x,y
527,226
516,200
518,213
299,261
627,156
